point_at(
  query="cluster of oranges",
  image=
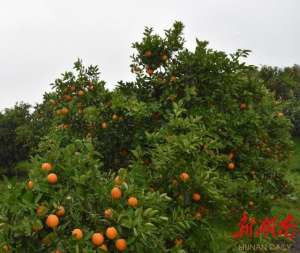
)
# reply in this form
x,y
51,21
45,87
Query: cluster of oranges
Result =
x,y
231,165
52,177
148,54
185,177
98,239
111,233
196,197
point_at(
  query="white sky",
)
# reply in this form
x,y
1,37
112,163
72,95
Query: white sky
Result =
x,y
39,39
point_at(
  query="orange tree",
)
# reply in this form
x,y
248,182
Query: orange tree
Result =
x,y
155,164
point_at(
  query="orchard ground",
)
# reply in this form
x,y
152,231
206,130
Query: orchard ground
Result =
x,y
283,206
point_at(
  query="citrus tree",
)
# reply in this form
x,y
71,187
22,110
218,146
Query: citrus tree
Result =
x,y
156,164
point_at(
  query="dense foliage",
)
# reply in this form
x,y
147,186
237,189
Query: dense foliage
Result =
x,y
156,164
15,138
285,84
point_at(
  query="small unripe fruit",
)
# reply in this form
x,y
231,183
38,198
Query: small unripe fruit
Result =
x,y
103,247
30,185
41,210
118,180
108,213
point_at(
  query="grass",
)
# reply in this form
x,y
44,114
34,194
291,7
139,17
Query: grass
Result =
x,y
282,207
291,203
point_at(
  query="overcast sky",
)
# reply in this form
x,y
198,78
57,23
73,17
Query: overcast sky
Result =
x,y
39,39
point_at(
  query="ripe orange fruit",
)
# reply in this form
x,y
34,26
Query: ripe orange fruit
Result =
x,y
184,177
116,193
103,247
47,166
196,196
115,117
243,106
164,57
97,239
108,213
80,93
52,178
65,126
52,221
77,234
148,53
60,211
132,201
104,125
111,233
121,244
29,185
231,166
57,251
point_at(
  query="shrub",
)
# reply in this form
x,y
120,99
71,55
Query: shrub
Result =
x,y
192,142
